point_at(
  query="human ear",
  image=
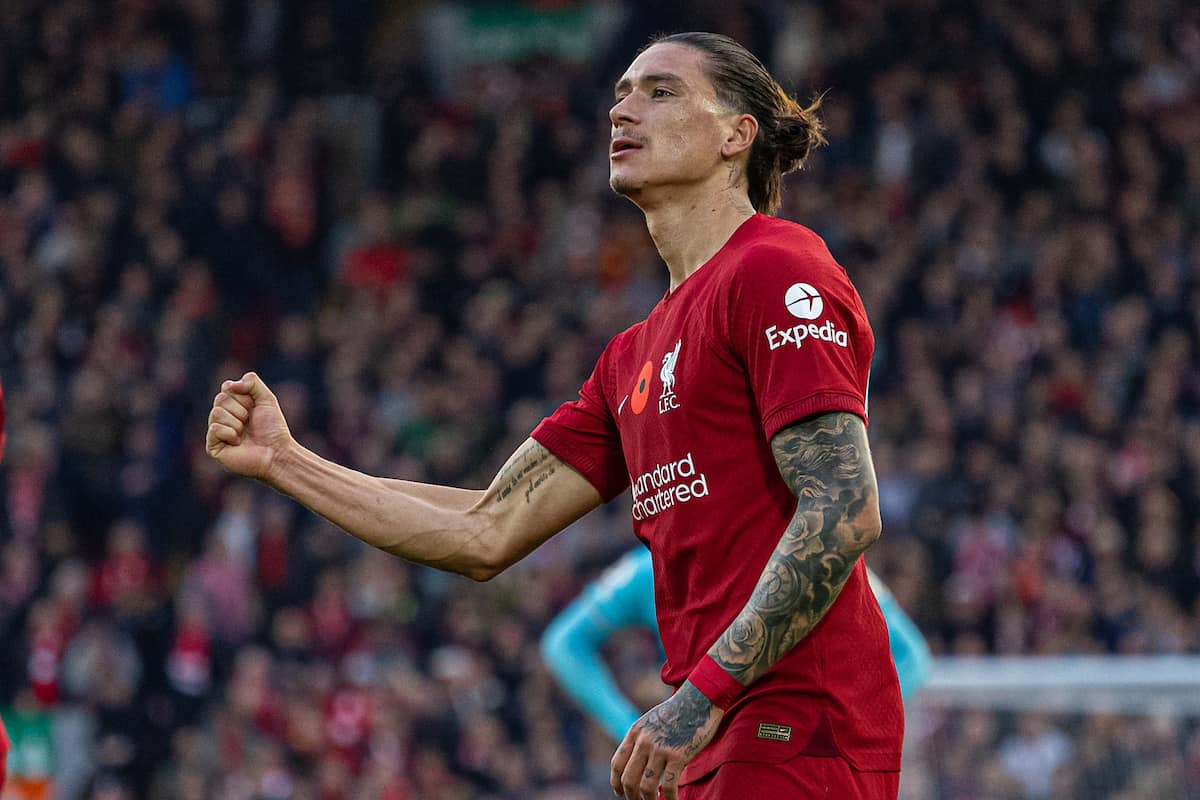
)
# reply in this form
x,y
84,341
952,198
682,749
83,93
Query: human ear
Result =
x,y
740,136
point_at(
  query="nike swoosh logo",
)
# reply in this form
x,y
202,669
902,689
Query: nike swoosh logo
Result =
x,y
622,405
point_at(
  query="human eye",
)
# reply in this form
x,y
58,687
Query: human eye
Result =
x,y
661,92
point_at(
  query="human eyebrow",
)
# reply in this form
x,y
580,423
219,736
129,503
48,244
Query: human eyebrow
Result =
x,y
625,85
665,77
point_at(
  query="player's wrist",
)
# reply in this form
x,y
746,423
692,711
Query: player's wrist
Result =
x,y
287,456
712,681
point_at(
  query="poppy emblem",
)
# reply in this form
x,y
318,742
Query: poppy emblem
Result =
x,y
641,389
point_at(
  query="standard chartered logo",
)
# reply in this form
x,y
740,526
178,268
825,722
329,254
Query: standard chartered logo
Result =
x,y
667,484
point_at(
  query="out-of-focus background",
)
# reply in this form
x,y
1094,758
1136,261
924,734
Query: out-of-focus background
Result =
x,y
398,213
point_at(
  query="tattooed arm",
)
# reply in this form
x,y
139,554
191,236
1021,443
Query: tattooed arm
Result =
x,y
826,462
475,533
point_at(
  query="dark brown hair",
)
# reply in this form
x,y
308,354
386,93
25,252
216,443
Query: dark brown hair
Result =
x,y
787,131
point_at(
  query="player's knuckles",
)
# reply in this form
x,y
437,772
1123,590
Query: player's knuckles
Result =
x,y
223,417
234,406
243,399
230,394
237,412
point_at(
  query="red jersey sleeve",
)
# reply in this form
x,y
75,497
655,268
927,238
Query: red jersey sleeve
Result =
x,y
798,325
584,435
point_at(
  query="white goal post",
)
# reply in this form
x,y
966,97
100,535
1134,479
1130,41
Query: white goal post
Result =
x,y
1156,685
1055,728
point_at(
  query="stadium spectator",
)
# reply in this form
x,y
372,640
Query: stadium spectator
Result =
x,y
1012,186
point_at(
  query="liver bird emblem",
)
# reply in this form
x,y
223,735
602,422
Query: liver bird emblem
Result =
x,y
667,373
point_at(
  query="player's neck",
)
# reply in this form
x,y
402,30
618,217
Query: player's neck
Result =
x,y
690,231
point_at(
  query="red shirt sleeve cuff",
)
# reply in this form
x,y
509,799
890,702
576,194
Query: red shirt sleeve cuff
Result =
x,y
820,403
716,684
551,436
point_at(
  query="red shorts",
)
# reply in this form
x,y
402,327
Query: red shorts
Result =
x,y
801,777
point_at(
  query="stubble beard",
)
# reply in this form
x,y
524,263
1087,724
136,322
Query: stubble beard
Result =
x,y
623,186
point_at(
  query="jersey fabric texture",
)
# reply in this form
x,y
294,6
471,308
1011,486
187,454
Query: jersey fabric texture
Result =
x,y
799,778
681,408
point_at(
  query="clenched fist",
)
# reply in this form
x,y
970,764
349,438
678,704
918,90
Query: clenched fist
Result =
x,y
246,430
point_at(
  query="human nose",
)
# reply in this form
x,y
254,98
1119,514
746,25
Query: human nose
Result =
x,y
622,112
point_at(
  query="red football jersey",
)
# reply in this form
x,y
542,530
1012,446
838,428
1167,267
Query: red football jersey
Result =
x,y
681,408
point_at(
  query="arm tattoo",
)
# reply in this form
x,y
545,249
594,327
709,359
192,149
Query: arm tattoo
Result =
x,y
677,722
826,462
527,470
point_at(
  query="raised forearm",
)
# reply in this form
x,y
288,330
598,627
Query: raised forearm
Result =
x,y
432,525
476,533
827,464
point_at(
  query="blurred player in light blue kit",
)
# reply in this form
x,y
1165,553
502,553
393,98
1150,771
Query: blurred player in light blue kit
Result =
x,y
623,597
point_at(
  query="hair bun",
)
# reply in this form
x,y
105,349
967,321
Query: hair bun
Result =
x,y
792,143
798,130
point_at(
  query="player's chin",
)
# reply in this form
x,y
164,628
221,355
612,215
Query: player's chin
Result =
x,y
623,184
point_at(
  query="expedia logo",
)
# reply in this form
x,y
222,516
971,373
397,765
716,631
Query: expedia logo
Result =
x,y
777,337
804,302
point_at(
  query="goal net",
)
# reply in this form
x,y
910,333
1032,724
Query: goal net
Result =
x,y
1062,728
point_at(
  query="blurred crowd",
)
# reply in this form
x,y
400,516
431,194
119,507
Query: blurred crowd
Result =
x,y
424,265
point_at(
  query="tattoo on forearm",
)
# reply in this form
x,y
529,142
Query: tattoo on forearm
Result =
x,y
529,469
537,481
827,463
677,722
